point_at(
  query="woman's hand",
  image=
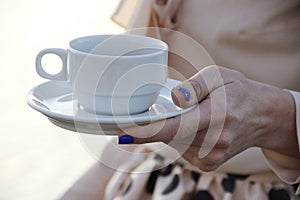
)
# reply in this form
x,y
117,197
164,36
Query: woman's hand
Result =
x,y
233,114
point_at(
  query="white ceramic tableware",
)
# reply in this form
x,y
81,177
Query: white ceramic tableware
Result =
x,y
112,74
54,99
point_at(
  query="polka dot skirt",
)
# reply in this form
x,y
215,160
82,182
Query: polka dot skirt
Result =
x,y
147,180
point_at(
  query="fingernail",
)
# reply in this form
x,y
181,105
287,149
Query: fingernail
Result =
x,y
125,139
185,93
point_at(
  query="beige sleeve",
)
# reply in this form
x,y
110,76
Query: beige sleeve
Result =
x,y
132,14
287,168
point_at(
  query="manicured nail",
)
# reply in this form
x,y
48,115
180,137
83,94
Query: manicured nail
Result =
x,y
125,139
185,93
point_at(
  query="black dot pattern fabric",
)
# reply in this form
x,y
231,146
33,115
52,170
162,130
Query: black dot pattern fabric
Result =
x,y
203,194
279,194
174,182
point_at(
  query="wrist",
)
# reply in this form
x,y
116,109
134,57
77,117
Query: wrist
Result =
x,y
280,130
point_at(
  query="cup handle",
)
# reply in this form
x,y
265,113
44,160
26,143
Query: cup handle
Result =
x,y
60,76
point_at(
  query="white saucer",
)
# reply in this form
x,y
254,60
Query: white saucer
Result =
x,y
54,99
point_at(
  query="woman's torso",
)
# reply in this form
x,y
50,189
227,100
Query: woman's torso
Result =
x,y
261,39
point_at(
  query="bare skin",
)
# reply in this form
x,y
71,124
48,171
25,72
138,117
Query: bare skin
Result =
x,y
255,115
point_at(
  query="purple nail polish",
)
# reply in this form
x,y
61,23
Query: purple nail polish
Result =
x,y
185,93
126,139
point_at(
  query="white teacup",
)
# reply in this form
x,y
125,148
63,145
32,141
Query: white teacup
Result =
x,y
112,74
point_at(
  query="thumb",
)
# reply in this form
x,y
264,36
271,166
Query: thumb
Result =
x,y
198,87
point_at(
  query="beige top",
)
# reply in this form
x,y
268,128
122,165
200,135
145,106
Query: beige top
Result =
x,y
261,39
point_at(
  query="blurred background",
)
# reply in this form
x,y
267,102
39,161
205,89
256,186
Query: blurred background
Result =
x,y
37,159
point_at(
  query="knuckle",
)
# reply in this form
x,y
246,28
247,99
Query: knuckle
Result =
x,y
238,77
206,164
231,117
199,163
231,75
208,168
199,87
223,142
238,74
214,68
212,161
169,131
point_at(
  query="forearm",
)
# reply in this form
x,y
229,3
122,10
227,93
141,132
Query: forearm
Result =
x,y
279,141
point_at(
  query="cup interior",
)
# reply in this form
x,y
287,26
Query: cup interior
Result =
x,y
118,45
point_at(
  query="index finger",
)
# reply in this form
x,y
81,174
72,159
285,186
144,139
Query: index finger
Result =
x,y
163,130
176,128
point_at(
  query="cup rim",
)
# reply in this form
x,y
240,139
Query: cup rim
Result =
x,y
157,41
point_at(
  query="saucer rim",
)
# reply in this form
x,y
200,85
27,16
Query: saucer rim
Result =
x,y
97,118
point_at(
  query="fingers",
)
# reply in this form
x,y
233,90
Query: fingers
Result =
x,y
177,128
211,162
163,130
196,89
199,86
